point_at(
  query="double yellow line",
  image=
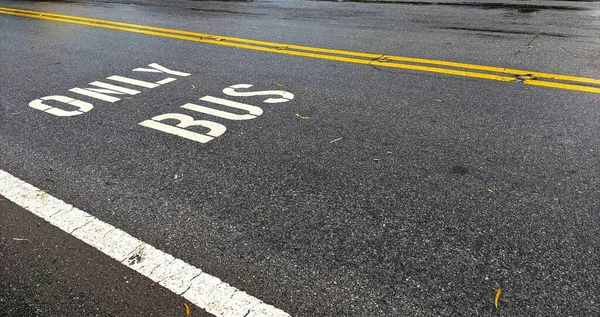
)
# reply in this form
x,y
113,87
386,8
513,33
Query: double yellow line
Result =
x,y
381,60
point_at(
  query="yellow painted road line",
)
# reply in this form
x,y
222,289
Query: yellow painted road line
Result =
x,y
561,86
374,59
515,72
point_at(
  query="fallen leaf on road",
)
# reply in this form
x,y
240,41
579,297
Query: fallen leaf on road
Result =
x,y
439,100
220,39
277,84
187,309
193,86
389,153
490,190
20,239
110,182
111,141
497,298
299,116
335,140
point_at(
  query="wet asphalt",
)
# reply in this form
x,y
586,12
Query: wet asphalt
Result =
x,y
442,189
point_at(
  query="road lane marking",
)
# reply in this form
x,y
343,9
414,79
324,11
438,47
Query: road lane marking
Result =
x,y
205,291
313,52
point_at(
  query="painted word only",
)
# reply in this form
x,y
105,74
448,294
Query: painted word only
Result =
x,y
104,91
215,129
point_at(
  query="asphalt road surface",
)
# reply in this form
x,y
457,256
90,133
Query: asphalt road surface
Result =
x,y
409,158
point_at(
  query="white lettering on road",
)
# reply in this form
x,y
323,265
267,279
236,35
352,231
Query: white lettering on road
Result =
x,y
135,82
253,111
166,81
161,69
103,93
96,95
114,88
82,105
185,121
285,96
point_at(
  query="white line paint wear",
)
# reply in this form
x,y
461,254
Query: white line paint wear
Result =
x,y
202,289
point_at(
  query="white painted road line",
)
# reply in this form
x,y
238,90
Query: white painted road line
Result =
x,y
204,290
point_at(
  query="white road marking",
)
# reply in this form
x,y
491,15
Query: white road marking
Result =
x,y
147,70
253,111
166,81
135,82
285,95
96,95
202,289
168,71
40,105
115,88
185,121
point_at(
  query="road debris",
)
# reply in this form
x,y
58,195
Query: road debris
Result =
x,y
299,116
497,298
524,77
439,100
20,239
277,84
389,153
376,160
335,140
187,309
220,39
193,86
111,182
490,190
111,141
